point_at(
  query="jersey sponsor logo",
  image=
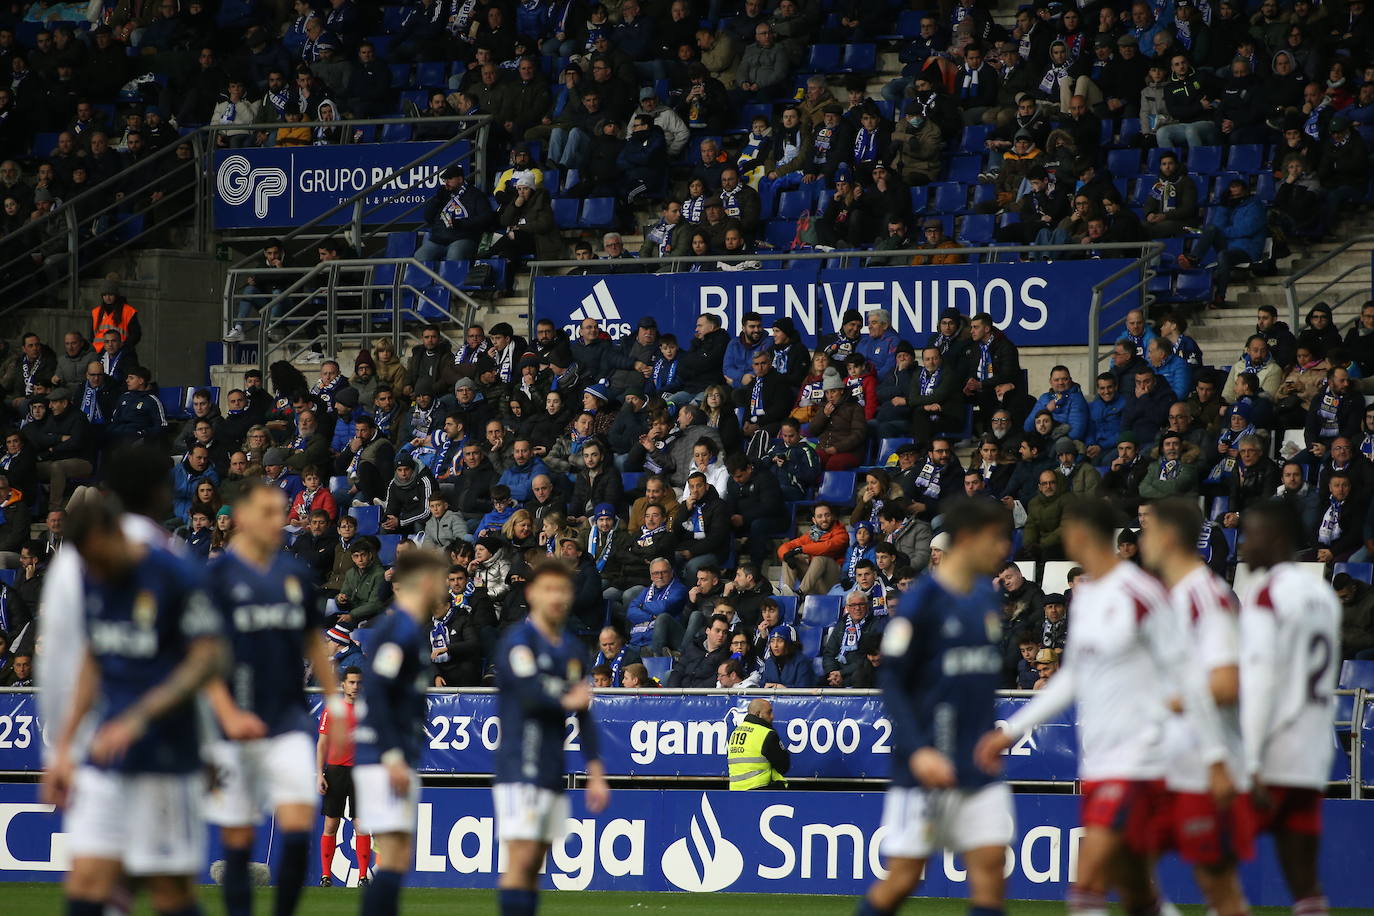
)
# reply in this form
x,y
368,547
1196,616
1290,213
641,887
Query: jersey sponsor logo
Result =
x,y
121,637
250,618
960,660
722,863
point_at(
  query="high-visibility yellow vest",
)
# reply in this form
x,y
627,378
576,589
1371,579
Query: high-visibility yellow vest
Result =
x,y
749,769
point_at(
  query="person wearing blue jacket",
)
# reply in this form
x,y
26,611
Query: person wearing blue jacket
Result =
x,y
194,467
1065,403
1104,419
1235,234
525,466
655,613
739,354
1170,367
880,346
786,664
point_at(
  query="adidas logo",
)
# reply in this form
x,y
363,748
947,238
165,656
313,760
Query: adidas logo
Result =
x,y
597,305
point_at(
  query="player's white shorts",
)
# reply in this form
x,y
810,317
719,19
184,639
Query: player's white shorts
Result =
x,y
380,810
527,812
919,821
151,823
253,777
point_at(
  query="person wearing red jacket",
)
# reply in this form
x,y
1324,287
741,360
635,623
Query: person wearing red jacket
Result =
x,y
862,383
814,558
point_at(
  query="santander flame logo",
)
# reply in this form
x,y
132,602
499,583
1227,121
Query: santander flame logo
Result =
x,y
706,861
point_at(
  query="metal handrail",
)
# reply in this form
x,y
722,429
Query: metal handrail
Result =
x,y
301,292
1291,282
1145,264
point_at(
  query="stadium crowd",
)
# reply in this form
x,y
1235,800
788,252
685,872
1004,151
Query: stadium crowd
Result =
x,y
737,503
722,120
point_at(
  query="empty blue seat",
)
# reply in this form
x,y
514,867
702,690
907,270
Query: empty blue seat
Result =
x,y
837,488
975,135
565,212
597,213
369,519
1355,674
984,194
821,610
787,606
859,58
948,197
908,23
1130,129
400,244
455,272
1124,163
1362,571
810,638
919,196
1265,187
977,229
779,233
1245,157
1193,286
387,553
822,58
396,133
1204,160
657,667
791,204
965,169
431,75
630,480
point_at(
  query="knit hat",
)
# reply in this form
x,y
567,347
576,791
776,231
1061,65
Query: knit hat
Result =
x,y
851,315
275,457
529,359
1064,446
1240,408
598,391
225,509
933,223
784,631
490,543
941,541
831,381
464,382
787,326
1054,598
604,510
526,180
340,634
348,396
424,385
110,287
906,347
364,358
452,171
647,92
842,173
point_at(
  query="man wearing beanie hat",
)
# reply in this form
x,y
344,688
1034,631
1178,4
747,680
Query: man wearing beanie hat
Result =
x,y
456,216
114,313
917,146
1077,477
847,338
1121,482
364,381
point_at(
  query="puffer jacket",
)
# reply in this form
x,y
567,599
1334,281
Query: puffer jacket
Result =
x,y
844,430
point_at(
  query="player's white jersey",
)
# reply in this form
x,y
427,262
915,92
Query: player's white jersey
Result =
x,y
1117,662
1290,656
1207,613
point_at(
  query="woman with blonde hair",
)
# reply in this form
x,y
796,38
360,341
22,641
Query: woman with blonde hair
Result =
x,y
390,370
519,530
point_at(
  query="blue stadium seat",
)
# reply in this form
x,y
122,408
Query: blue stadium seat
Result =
x,y
859,58
7,576
396,133
565,212
837,488
496,279
631,480
338,488
977,230
779,233
387,553
948,197
1204,160
455,272
392,18
791,204
414,96
432,75
173,402
908,23
1193,286
975,135
787,606
381,44
658,667
400,244
1130,129
1124,163
1265,187
597,213
822,58
369,519
1357,674
1245,157
888,447
964,169
810,638
984,194
400,75
1362,571
919,196
821,610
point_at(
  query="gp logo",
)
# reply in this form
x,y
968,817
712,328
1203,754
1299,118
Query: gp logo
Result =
x,y
237,181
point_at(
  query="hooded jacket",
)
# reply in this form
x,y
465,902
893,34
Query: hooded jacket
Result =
x,y
409,501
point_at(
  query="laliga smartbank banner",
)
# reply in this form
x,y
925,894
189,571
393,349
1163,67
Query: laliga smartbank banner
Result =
x,y
776,842
1037,303
280,186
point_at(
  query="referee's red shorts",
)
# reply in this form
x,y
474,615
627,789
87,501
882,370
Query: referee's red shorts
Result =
x,y
1137,809
1292,810
1205,835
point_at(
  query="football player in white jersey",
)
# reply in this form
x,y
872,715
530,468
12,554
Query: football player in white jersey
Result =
x,y
1290,653
1123,638
1211,837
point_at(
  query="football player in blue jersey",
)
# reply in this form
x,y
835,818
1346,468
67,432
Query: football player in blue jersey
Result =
x,y
390,732
152,641
266,760
939,676
539,680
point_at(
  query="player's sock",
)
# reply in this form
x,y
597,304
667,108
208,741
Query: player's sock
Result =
x,y
383,895
291,867
362,846
867,908
238,892
518,902
327,844
85,907
985,911
1311,906
1086,903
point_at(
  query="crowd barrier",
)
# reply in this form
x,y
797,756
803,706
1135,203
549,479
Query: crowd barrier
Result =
x,y
682,734
1037,303
776,842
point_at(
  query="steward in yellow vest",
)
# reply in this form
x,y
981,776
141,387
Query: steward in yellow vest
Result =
x,y
755,756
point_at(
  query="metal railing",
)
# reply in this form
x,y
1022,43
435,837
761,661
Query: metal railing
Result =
x,y
1360,270
45,259
309,311
1144,264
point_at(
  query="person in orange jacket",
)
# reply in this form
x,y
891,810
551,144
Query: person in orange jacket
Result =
x,y
815,556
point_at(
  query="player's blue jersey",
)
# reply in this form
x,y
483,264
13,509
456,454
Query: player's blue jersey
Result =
x,y
532,674
397,673
939,675
139,630
267,616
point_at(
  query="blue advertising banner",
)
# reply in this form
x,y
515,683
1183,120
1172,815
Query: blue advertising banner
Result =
x,y
284,186
833,737
755,842
1036,303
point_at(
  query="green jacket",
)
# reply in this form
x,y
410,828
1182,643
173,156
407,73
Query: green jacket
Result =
x,y
1184,482
366,591
1043,518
